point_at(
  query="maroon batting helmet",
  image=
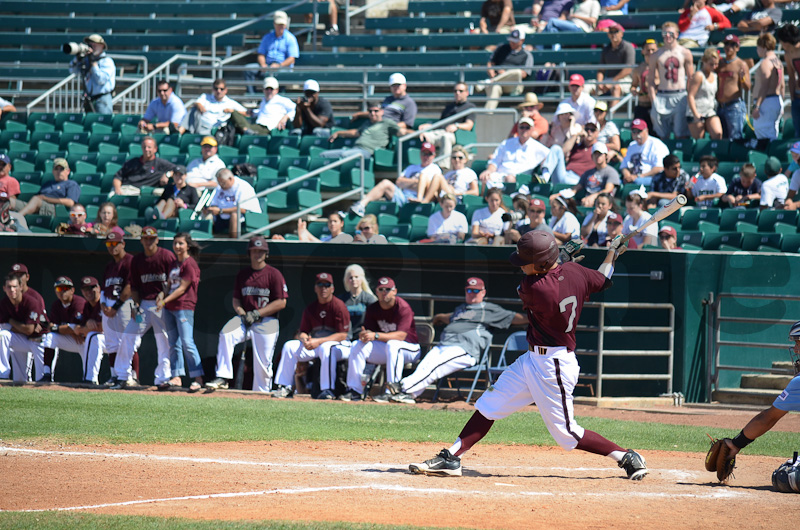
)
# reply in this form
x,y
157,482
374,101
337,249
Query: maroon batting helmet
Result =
x,y
536,247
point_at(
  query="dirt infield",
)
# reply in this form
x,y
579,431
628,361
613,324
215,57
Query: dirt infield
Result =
x,y
502,487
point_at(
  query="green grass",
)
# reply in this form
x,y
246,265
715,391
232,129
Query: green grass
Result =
x,y
115,418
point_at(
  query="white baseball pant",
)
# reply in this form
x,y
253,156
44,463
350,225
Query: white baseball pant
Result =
x,y
440,362
58,342
394,354
93,349
329,353
263,350
132,336
545,376
15,355
114,327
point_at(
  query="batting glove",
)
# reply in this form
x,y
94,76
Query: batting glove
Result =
x,y
618,246
252,316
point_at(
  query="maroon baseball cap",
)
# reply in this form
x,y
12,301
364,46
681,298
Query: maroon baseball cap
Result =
x,y
64,281
19,267
428,147
386,282
324,277
115,234
639,125
149,231
668,230
732,38
536,247
475,283
538,204
88,281
613,217
258,243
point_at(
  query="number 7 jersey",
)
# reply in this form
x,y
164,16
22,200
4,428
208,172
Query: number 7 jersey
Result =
x,y
554,301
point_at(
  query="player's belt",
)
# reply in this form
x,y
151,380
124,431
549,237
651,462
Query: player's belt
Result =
x,y
541,350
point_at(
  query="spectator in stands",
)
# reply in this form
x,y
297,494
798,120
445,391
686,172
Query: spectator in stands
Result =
x,y
609,132
768,91
278,49
643,105
178,195
6,106
563,216
544,11
582,102
669,70
789,37
581,16
211,110
410,187
565,164
759,21
644,156
232,199
375,134
510,63
202,172
708,185
10,221
562,127
445,137
701,98
59,191
314,114
667,184
78,225
447,225
398,107
99,74
535,221
274,112
8,184
613,226
594,230
335,228
368,231
530,108
614,7
146,170
668,238
638,216
165,113
793,174
697,22
357,297
487,223
745,188
734,80
775,188
601,179
107,218
459,181
514,156
497,16
615,82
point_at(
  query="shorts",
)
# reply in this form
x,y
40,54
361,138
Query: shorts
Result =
x,y
790,397
401,196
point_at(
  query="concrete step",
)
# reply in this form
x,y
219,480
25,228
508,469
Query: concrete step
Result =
x,y
765,381
782,365
745,396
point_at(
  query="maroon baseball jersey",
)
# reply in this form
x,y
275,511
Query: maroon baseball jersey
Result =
x,y
256,289
321,320
71,314
92,313
554,302
83,230
399,317
116,277
189,271
149,273
29,311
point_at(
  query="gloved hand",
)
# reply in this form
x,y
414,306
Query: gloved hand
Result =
x,y
570,251
618,246
252,316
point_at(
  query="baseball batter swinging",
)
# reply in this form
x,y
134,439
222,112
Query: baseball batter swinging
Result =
x,y
553,295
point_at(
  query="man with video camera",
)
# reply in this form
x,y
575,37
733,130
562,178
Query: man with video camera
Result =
x,y
97,70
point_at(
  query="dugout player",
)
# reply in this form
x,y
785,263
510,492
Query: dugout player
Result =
x,y
552,295
22,320
462,343
66,313
117,305
91,329
148,276
388,337
259,293
324,330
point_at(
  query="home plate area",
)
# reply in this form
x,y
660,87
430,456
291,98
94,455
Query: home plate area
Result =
x,y
503,487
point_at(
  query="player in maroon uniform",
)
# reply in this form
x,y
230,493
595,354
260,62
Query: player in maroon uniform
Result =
x,y
323,334
259,293
66,312
388,337
22,320
91,329
149,273
553,295
115,298
21,272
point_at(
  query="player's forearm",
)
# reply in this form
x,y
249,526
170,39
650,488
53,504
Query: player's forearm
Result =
x,y
272,307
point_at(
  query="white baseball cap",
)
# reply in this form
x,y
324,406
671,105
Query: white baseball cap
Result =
x,y
397,79
311,85
600,147
280,17
564,108
271,82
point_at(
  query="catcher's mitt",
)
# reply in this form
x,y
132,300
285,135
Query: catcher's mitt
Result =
x,y
717,459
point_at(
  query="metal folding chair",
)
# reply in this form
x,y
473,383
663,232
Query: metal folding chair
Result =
x,y
516,342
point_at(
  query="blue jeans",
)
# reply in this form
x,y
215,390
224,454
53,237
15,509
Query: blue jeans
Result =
x,y
347,151
103,105
555,167
554,25
732,116
181,343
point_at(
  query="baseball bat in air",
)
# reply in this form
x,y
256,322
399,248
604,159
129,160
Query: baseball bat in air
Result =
x,y
662,213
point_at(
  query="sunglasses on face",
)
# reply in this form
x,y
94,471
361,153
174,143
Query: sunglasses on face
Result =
x,y
383,289
63,288
111,244
76,214
590,129
458,157
473,291
324,285
268,88
524,127
362,228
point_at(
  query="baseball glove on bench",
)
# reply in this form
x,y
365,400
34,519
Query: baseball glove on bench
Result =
x,y
717,459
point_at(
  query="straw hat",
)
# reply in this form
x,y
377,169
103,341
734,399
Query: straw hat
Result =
x,y
531,100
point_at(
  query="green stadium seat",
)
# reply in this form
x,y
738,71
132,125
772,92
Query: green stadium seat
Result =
x,y
757,158
43,126
768,218
318,229
22,137
67,117
384,160
131,201
714,241
784,228
386,220
202,226
381,207
787,131
80,167
93,199
685,145
41,117
692,216
355,178
762,242
44,160
730,217
738,153
397,233
41,224
253,140
254,221
124,119
779,149
188,139
694,238
729,170
791,243
412,208
746,228
31,177
170,225
718,148
73,138
419,227
276,142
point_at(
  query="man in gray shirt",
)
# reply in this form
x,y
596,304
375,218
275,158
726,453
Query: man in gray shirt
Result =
x,y
461,345
510,63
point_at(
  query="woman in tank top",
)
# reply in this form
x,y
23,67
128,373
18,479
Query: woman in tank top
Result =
x,y
701,98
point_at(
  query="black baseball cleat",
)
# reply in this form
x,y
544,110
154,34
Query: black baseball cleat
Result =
x,y
122,384
218,383
394,388
442,465
46,378
351,395
283,392
634,465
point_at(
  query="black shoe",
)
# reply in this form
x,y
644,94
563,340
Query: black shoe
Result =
x,y
122,384
442,465
46,378
634,465
283,392
350,395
